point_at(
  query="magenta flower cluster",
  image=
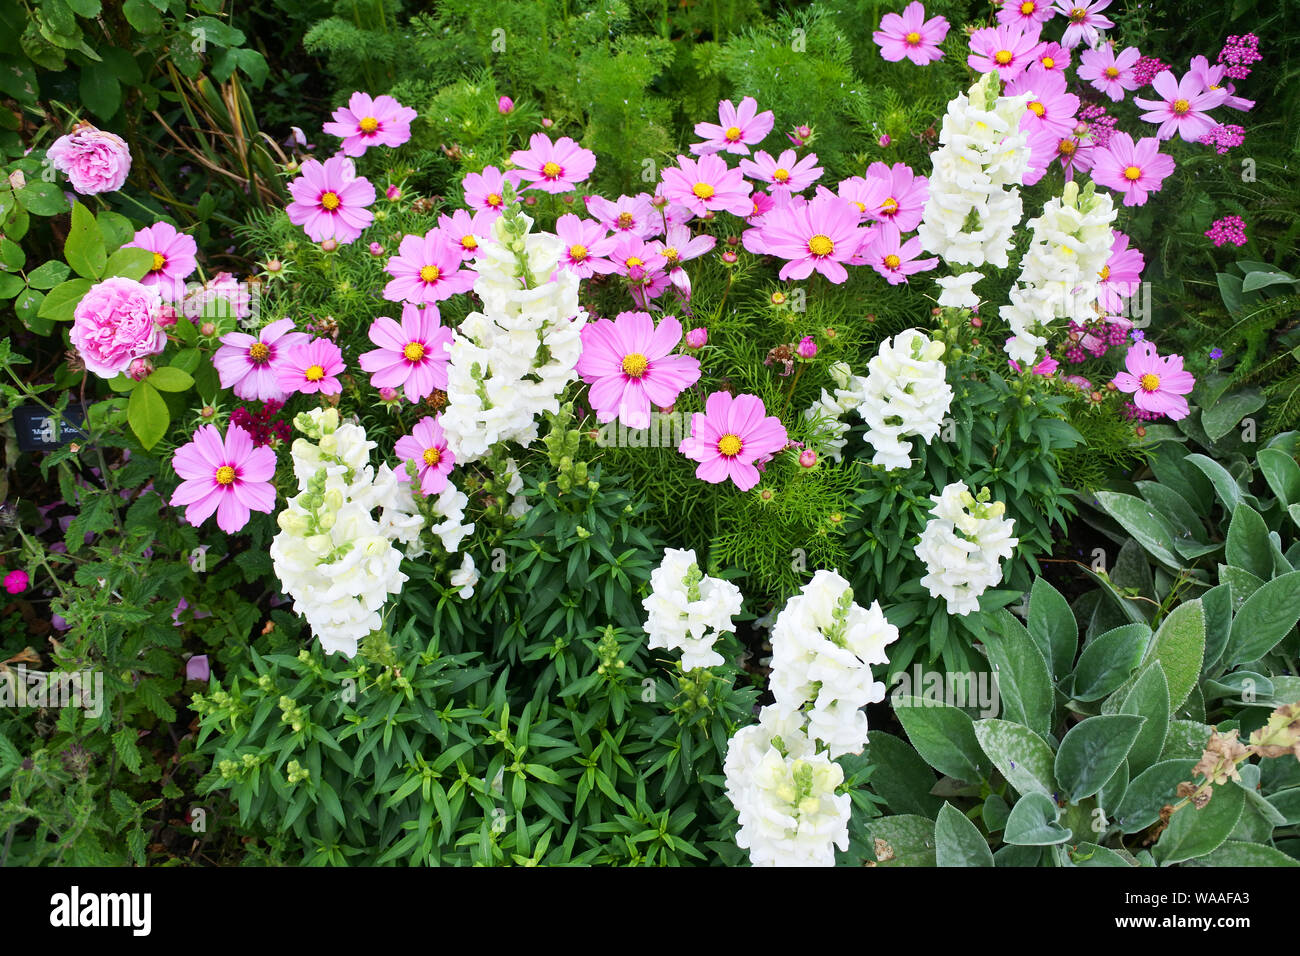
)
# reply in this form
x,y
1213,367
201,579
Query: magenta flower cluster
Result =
x,y
1228,230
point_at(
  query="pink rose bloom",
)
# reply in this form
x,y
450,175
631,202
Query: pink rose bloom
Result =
x,y
173,258
366,122
95,161
247,364
737,129
1156,383
731,437
910,35
427,447
115,323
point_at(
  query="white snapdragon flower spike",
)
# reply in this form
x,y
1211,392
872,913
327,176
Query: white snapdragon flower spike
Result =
x,y
1070,244
958,292
784,793
962,546
512,361
466,577
688,610
823,646
850,391
905,394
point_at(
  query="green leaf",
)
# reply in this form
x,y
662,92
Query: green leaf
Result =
x,y
1020,755
43,199
130,262
48,274
170,379
958,842
1264,279
943,735
1225,486
143,16
1033,822
1179,646
1053,627
1108,660
1235,853
1149,698
84,247
1192,833
1089,854
903,839
1282,474
901,777
147,414
1145,524
1264,619
1248,545
1224,415
1150,790
1092,751
1024,683
100,89
61,303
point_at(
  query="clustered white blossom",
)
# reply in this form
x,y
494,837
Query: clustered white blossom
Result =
x,y
823,646
512,361
332,555
962,546
905,394
974,201
850,390
1070,244
689,610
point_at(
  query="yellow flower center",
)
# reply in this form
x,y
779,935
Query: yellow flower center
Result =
x,y
820,245
494,200
1002,57
862,207
330,201
670,254
552,170
1112,72
430,273
1078,15
1149,382
159,260
314,373
413,352
1048,62
1037,108
469,242
892,261
635,261
913,38
780,175
259,352
732,134
225,475
578,252
889,206
625,220
730,445
1028,7
634,365
1066,147
368,125
703,190
778,298
1132,173
432,456
1181,106
1104,273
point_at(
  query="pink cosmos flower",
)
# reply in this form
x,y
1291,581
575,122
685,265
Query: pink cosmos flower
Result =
x,y
643,265
1121,275
1051,57
247,364
905,195
1028,15
485,191
94,160
311,367
630,366
330,200
586,246
868,194
730,437
697,338
1108,72
1050,109
891,257
427,269
1157,384
1008,50
465,232
626,214
427,447
1211,78
786,174
681,246
1045,366
412,355
231,477
1133,169
1073,153
737,129
1085,20
553,167
706,185
366,122
173,258
821,234
505,106
115,323
910,35
1182,106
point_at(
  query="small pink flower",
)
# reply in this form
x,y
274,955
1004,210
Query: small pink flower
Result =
x,y
330,200
785,174
905,195
115,323
1212,78
173,258
311,368
1182,106
1051,57
632,214
731,437
1108,72
1050,108
412,355
552,167
820,235
1007,50
248,364
586,246
891,257
1156,383
485,191
232,478
1028,15
16,581
630,365
807,348
1121,275
807,458
95,161
505,106
911,35
1085,20
1134,169
427,269
706,185
467,233
737,129
366,122
427,447
697,338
